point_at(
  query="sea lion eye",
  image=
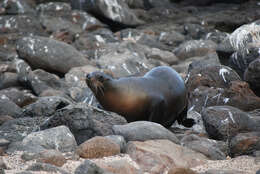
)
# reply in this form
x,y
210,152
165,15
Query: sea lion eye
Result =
x,y
101,78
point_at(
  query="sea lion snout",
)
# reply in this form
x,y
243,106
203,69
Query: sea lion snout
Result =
x,y
88,76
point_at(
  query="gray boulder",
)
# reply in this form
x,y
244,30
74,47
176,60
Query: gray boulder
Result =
x,y
224,122
84,121
49,54
144,130
59,138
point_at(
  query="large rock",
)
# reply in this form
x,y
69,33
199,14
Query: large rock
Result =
x,y
88,167
18,7
144,130
224,122
245,34
98,147
40,81
19,97
252,76
16,129
211,76
20,24
59,138
238,95
7,107
53,157
125,59
115,10
94,43
240,60
210,148
122,164
245,144
194,48
8,79
84,121
45,106
49,54
196,62
155,156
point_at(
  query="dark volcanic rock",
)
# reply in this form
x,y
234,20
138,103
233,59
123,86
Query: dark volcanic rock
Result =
x,y
117,11
8,79
144,130
194,48
245,144
20,24
88,167
7,107
238,95
16,129
93,43
53,8
40,81
18,7
125,59
45,106
19,97
84,121
224,122
211,76
252,76
49,54
56,24
171,38
210,148
196,62
240,60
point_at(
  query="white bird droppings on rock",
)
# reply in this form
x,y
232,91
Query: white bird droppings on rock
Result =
x,y
222,73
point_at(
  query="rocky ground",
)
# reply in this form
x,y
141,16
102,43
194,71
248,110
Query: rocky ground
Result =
x,y
50,121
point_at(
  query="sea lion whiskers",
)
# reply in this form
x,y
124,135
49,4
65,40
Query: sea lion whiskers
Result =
x,y
99,87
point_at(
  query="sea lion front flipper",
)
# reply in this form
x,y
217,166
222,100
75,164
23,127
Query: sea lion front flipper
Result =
x,y
157,110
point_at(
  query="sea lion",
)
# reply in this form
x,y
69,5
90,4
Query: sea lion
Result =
x,y
158,96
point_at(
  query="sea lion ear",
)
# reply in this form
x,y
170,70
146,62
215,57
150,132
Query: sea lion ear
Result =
x,y
109,72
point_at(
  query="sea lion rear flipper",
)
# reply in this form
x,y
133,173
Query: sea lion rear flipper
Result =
x,y
182,118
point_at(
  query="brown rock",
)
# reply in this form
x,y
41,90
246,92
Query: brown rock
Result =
x,y
155,156
119,165
180,170
53,157
98,147
242,97
238,95
218,76
245,144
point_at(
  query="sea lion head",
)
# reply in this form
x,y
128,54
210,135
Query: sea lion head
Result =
x,y
97,82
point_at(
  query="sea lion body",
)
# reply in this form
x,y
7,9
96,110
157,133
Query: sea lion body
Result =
x,y
158,96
